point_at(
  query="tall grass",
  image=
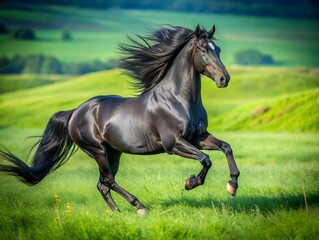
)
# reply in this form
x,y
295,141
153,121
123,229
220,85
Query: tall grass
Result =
x,y
278,171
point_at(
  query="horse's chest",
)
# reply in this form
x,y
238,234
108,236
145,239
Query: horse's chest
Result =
x,y
191,124
193,129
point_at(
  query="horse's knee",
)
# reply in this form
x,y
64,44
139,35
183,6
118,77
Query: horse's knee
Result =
x,y
205,161
226,148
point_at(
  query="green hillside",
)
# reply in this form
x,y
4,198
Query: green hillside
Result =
x,y
14,82
293,112
33,107
250,84
250,91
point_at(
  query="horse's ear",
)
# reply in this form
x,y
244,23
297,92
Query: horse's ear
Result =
x,y
212,31
197,31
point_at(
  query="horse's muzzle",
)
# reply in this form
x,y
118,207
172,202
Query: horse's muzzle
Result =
x,y
221,78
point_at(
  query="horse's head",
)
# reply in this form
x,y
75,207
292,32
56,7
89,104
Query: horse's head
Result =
x,y
207,57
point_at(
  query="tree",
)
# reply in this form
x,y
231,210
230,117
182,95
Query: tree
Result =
x,y
13,66
51,65
33,64
252,57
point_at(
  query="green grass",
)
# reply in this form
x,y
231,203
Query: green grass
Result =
x,y
277,198
98,32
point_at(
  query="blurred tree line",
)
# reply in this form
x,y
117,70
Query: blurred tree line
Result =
x,y
40,64
49,65
24,33
279,8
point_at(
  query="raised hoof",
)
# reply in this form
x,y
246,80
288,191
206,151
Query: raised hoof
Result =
x,y
190,182
231,190
142,212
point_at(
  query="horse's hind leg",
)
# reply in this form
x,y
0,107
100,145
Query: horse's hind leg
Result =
x,y
107,180
106,194
113,158
103,154
98,153
110,183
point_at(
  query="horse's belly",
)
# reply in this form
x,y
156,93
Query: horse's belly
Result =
x,y
132,140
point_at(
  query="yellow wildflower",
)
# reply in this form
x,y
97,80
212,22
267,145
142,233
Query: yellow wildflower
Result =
x,y
56,197
68,208
108,211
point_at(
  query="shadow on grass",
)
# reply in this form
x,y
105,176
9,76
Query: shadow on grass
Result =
x,y
262,204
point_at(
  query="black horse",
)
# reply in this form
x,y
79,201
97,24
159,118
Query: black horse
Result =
x,y
168,115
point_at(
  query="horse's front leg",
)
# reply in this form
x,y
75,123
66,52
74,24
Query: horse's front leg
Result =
x,y
209,142
185,149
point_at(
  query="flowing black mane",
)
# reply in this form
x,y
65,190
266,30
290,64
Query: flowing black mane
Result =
x,y
148,64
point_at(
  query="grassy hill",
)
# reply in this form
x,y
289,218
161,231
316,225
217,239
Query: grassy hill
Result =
x,y
249,92
98,32
33,107
292,112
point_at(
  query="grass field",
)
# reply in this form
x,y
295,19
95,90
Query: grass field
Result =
x,y
278,196
98,32
277,199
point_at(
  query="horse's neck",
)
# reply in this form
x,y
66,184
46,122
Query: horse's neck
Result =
x,y
182,79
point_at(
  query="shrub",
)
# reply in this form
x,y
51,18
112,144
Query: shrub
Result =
x,y
24,33
66,35
3,29
3,61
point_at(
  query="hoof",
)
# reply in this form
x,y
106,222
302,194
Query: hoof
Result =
x,y
231,190
189,183
142,212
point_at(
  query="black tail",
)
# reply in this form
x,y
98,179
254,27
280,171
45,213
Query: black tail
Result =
x,y
55,147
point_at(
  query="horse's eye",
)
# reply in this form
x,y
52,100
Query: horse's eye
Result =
x,y
202,49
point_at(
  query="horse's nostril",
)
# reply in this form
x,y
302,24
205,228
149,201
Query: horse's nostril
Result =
x,y
222,79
